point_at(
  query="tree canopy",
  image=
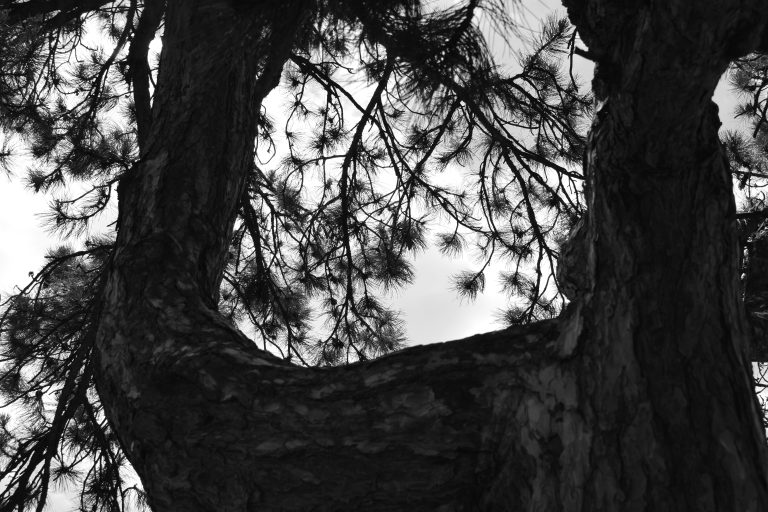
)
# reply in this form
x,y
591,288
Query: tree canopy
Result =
x,y
380,101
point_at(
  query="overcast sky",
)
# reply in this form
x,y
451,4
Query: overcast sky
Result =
x,y
432,310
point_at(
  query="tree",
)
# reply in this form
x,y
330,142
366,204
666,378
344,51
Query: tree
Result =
x,y
638,397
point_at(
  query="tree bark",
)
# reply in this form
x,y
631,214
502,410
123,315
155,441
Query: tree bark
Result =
x,y
638,399
663,335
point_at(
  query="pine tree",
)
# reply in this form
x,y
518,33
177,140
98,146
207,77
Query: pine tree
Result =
x,y
748,157
638,397
295,253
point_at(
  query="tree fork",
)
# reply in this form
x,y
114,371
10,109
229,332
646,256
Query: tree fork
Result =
x,y
639,400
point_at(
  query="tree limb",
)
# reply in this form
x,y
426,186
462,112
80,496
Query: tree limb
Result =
x,y
20,11
138,64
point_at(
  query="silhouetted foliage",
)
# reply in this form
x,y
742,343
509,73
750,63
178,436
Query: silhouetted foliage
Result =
x,y
379,104
748,155
352,176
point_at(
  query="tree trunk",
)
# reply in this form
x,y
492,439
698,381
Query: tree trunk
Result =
x,y
663,371
640,399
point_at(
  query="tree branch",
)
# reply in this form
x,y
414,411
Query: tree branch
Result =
x,y
20,11
759,214
138,64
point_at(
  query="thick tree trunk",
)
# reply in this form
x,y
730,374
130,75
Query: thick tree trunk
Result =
x,y
663,371
640,400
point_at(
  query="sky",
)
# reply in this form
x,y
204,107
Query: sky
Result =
x,y
431,309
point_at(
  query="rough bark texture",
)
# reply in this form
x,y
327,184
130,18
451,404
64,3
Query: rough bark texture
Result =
x,y
640,399
663,370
